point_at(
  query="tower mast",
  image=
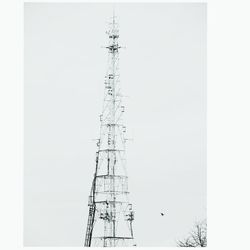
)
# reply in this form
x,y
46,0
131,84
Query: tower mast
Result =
x,y
110,213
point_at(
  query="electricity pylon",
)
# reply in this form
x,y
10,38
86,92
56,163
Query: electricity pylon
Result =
x,y
110,213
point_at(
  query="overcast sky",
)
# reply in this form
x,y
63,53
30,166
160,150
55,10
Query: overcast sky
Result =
x,y
163,71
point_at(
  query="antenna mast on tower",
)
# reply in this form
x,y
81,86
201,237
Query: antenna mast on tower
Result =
x,y
110,213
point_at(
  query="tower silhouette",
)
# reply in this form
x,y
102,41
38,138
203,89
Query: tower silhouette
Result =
x,y
110,213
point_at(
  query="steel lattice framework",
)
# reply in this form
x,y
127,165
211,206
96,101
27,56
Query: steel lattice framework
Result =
x,y
110,213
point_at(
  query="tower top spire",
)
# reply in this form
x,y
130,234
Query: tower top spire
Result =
x,y
113,13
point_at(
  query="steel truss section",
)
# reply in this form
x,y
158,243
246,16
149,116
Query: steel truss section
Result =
x,y
110,213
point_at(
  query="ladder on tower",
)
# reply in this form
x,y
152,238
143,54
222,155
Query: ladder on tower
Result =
x,y
89,231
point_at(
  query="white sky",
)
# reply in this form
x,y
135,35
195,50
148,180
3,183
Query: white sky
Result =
x,y
163,70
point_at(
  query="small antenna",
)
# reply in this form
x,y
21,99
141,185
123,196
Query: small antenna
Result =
x,y
113,11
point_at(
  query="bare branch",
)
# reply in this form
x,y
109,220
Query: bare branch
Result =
x,y
197,237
